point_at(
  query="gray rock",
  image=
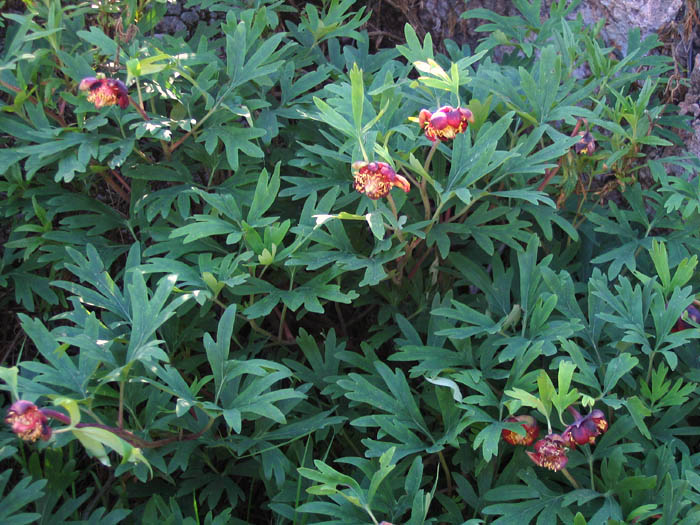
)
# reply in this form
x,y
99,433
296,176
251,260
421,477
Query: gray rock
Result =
x,y
189,17
174,8
441,18
170,25
693,142
623,15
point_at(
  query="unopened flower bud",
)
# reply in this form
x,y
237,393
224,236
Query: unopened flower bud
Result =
x,y
584,429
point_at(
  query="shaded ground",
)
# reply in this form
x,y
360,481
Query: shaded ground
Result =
x,y
440,18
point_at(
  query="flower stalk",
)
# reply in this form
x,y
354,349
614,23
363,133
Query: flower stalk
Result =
x,y
571,479
30,423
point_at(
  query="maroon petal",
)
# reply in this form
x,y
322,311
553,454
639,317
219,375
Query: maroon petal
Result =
x,y
438,120
454,118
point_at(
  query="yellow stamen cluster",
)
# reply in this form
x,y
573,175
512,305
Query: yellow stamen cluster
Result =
x,y
375,179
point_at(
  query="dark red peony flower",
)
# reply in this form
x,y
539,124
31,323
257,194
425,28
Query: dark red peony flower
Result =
x,y
693,314
584,429
375,179
550,452
586,144
532,431
27,421
105,92
445,123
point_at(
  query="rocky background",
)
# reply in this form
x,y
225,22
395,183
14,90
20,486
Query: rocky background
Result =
x,y
675,21
441,18
179,17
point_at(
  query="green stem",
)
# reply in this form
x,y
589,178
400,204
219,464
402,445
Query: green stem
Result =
x,y
280,331
143,155
352,444
367,509
138,91
253,325
299,478
590,470
423,193
448,476
651,363
93,415
163,145
423,186
429,158
466,208
250,501
395,211
199,124
570,478
284,308
120,414
434,218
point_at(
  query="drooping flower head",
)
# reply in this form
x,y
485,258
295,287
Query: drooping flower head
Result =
x,y
445,123
550,452
586,144
584,429
105,92
693,314
27,421
532,431
375,179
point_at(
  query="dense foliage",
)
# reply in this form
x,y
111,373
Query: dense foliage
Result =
x,y
222,327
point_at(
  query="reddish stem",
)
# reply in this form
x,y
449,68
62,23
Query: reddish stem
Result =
x,y
125,434
413,271
125,184
550,173
285,327
179,142
139,109
31,99
115,187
